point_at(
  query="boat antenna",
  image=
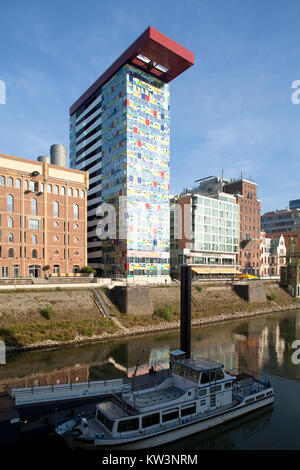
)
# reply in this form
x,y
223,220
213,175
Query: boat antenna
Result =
x,y
135,370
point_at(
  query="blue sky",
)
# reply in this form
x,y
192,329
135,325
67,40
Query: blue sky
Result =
x,y
232,110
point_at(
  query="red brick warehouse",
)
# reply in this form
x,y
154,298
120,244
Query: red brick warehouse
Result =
x,y
42,217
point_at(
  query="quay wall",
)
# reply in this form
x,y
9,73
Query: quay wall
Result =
x,y
42,318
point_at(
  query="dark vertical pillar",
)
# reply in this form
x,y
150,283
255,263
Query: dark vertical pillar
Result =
x,y
185,314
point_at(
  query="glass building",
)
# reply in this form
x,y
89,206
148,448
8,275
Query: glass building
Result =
x,y
120,133
205,233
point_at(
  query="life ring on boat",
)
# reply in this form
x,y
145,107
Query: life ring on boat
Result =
x,y
75,432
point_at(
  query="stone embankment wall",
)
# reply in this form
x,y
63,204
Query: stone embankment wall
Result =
x,y
75,317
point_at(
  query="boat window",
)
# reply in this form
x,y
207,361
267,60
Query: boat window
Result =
x,y
128,425
212,375
108,423
215,389
250,400
204,378
219,374
179,369
170,414
150,420
260,396
227,385
192,374
202,392
188,410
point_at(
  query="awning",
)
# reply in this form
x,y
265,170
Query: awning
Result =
x,y
214,270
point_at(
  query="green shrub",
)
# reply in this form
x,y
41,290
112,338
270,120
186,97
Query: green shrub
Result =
x,y
167,312
88,270
199,288
272,296
47,312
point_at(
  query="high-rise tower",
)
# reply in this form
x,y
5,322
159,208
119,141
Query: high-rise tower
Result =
x,y
120,133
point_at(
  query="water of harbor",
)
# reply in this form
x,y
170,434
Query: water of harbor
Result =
x,y
260,344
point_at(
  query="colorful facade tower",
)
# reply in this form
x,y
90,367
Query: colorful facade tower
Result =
x,y
120,133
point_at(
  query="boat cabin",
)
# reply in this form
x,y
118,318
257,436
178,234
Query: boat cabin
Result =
x,y
195,387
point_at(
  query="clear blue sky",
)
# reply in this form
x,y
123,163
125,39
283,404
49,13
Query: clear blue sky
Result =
x,y
232,110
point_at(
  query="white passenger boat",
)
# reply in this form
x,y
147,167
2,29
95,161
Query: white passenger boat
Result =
x,y
197,395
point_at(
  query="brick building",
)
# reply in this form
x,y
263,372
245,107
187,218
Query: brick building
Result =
x,y
245,192
42,218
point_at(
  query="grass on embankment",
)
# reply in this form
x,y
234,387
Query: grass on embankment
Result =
x,y
31,317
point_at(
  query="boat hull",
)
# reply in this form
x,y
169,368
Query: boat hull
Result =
x,y
169,435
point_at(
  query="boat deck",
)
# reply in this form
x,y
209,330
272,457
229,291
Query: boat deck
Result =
x,y
158,397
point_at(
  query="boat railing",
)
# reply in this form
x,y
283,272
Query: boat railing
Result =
x,y
257,375
40,394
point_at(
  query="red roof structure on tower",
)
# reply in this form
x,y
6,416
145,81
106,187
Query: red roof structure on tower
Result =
x,y
152,52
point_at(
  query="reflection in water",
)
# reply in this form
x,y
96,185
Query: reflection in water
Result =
x,y
225,437
258,344
261,343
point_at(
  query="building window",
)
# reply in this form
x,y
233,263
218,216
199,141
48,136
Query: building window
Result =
x,y
18,183
42,187
76,193
55,238
63,190
10,182
56,252
10,222
34,186
34,239
56,224
76,239
76,269
76,211
56,189
2,182
49,188
81,193
10,203
34,253
34,224
10,238
75,225
11,253
26,184
70,192
4,271
16,270
55,209
56,269
33,206
76,253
